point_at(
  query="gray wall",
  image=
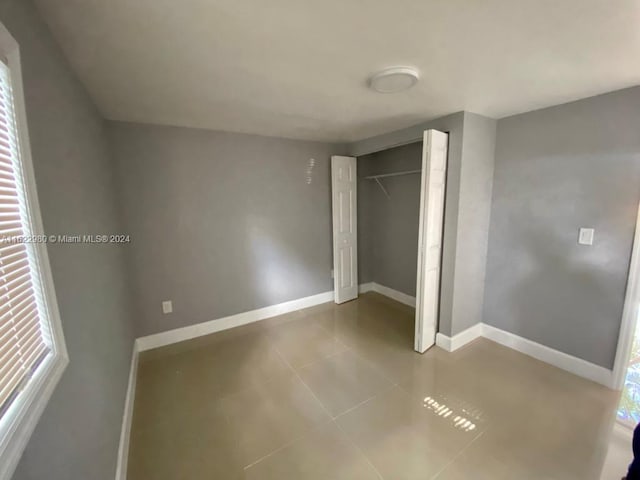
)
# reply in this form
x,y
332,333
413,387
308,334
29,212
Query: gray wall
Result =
x,y
474,208
556,170
467,206
388,227
222,223
78,434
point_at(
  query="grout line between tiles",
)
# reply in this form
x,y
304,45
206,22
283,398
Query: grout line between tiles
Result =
x,y
287,364
384,390
371,364
282,447
364,455
455,457
348,439
354,350
317,360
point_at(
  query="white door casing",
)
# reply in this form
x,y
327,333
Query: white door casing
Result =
x,y
432,197
345,227
630,314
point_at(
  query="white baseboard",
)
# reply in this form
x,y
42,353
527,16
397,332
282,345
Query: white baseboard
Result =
x,y
206,328
127,417
567,362
388,292
192,331
451,344
564,361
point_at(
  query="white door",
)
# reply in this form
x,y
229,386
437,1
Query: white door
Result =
x,y
434,176
345,228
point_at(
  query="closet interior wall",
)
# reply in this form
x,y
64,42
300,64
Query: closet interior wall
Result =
x,y
388,226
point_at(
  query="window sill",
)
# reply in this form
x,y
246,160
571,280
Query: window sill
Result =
x,y
21,419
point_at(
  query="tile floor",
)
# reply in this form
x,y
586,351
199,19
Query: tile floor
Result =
x,y
336,392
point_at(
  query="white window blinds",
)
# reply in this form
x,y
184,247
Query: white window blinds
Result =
x,y
24,337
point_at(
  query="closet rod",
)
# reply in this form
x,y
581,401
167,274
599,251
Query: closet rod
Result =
x,y
395,174
383,175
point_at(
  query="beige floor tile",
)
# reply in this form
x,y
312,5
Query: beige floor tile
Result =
x,y
265,418
508,455
233,365
323,454
484,464
393,357
403,438
303,342
184,444
230,405
343,381
456,381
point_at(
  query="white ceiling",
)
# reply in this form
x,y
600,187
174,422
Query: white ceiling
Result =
x,y
298,68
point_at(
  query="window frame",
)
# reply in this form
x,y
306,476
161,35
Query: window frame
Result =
x,y
21,418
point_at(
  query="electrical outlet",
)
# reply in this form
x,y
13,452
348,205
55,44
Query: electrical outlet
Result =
x,y
167,306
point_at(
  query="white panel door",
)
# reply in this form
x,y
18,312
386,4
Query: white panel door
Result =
x,y
345,228
434,176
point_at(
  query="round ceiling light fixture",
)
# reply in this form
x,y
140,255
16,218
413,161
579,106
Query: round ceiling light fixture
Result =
x,y
394,79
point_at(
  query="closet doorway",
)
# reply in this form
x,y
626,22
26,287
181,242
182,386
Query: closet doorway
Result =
x,y
388,226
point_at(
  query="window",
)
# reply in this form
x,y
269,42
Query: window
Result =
x,y
32,350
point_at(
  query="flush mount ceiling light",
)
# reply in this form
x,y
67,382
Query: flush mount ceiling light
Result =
x,y
394,79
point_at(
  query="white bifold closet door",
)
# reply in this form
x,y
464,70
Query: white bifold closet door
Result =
x,y
345,228
434,176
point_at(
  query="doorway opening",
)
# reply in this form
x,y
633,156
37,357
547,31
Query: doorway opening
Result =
x,y
388,216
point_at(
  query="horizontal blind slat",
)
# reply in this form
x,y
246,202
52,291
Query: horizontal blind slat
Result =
x,y
10,208
18,303
16,264
10,297
13,335
7,174
9,249
30,338
9,235
10,361
10,344
8,192
14,256
19,328
25,310
9,217
12,279
10,381
20,370
6,292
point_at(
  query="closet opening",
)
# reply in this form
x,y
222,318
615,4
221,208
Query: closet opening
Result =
x,y
388,212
